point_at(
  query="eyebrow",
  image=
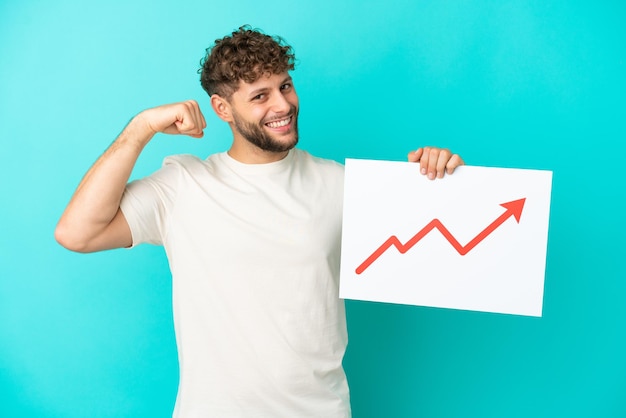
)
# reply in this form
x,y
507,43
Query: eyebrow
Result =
x,y
258,91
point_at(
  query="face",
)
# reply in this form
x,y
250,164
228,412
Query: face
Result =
x,y
265,113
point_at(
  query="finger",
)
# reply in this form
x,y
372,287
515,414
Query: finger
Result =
x,y
189,123
424,160
198,118
202,120
200,135
453,163
442,161
432,163
195,121
194,109
414,156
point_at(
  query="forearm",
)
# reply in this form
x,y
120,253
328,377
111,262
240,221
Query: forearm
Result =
x,y
96,200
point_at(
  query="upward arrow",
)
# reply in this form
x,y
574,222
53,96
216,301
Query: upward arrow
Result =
x,y
513,208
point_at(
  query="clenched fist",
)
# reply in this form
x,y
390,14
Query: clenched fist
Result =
x,y
184,118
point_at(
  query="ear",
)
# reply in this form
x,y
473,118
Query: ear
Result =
x,y
222,108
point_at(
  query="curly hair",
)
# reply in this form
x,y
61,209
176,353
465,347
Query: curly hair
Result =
x,y
245,55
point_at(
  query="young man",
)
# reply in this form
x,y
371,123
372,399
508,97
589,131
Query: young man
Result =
x,y
252,236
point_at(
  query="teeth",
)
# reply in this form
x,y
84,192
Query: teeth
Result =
x,y
278,124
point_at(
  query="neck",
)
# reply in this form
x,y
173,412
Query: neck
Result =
x,y
247,153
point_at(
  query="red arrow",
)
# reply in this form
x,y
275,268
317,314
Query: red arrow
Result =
x,y
513,208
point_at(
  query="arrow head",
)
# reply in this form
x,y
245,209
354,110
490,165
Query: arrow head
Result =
x,y
514,208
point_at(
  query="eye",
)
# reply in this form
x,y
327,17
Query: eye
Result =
x,y
286,86
259,97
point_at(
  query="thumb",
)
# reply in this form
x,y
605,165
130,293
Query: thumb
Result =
x,y
415,156
200,135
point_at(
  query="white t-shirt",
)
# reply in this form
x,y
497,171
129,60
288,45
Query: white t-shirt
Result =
x,y
254,254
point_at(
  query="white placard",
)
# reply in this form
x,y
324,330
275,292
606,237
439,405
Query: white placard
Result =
x,y
474,240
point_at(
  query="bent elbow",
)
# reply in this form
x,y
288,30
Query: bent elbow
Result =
x,y
69,240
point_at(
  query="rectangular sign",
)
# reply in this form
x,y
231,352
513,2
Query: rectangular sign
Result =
x,y
474,240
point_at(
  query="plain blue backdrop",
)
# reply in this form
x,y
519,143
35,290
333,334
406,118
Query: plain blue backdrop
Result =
x,y
528,84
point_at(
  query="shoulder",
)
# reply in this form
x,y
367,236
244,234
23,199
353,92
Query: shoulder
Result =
x,y
190,164
174,169
323,164
182,160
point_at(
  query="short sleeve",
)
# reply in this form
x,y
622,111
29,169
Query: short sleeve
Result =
x,y
147,203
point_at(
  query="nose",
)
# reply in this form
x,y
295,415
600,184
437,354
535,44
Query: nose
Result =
x,y
280,104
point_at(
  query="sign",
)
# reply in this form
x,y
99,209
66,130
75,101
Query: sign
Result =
x,y
474,240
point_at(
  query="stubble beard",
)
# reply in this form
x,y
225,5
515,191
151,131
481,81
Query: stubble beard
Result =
x,y
256,135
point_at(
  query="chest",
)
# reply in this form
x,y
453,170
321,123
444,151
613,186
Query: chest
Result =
x,y
259,220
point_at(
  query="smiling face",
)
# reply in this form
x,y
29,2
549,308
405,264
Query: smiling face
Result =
x,y
263,116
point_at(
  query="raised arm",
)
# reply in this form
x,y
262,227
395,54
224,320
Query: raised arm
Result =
x,y
93,221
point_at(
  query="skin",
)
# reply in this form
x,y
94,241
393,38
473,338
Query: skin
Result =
x,y
435,162
93,221
253,105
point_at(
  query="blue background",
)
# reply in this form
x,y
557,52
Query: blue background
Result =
x,y
528,84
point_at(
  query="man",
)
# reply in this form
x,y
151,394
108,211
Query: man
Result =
x,y
252,236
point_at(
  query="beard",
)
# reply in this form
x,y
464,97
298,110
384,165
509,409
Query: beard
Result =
x,y
256,135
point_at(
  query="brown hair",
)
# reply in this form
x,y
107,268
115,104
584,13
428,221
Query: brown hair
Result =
x,y
245,55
